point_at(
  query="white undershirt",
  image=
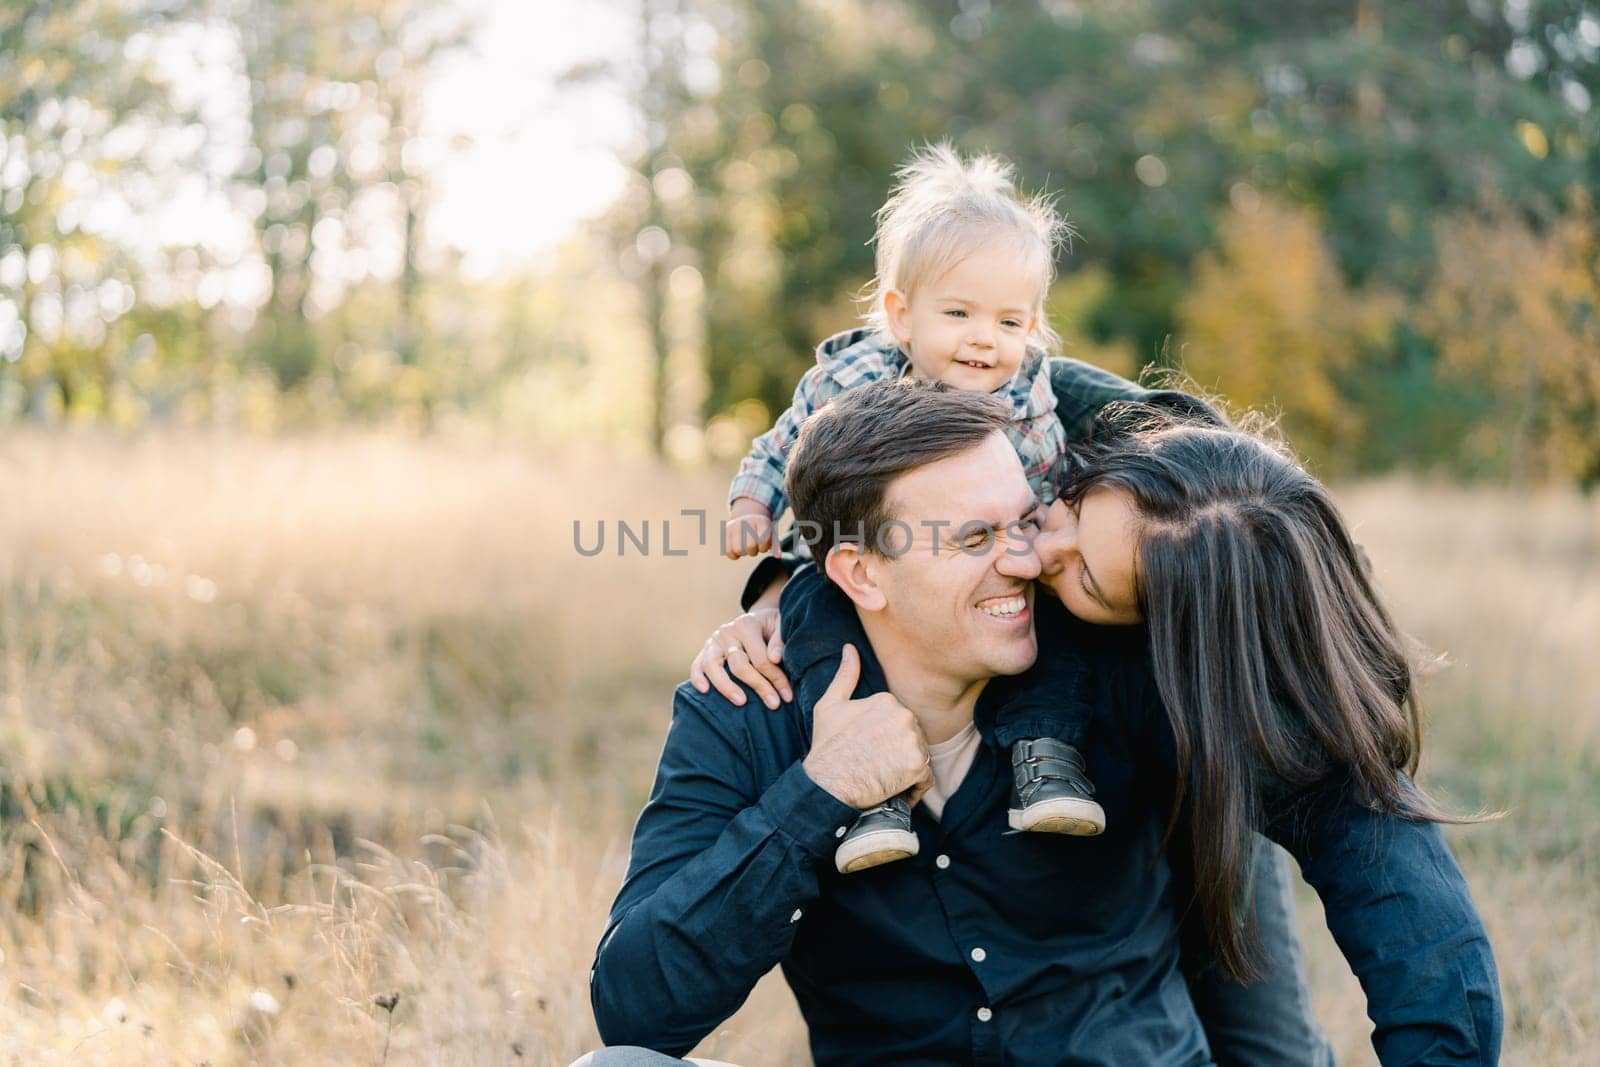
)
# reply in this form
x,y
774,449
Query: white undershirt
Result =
x,y
951,761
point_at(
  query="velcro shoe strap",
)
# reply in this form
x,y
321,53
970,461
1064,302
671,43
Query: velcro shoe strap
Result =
x,y
1038,759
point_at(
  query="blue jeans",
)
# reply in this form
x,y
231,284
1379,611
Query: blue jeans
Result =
x,y
630,1056
1268,1021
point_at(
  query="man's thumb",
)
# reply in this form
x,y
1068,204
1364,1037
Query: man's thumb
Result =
x,y
845,678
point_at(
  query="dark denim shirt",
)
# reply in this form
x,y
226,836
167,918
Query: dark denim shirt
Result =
x,y
994,948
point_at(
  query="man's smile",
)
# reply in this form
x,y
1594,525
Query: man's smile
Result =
x,y
1008,607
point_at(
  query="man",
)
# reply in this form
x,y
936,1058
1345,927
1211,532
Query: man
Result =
x,y
985,947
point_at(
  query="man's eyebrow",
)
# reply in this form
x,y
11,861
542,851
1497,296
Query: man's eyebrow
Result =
x,y
959,530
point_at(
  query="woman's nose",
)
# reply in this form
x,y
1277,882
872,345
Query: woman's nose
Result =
x,y
1056,537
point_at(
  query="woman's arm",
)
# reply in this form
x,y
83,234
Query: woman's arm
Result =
x,y
1399,909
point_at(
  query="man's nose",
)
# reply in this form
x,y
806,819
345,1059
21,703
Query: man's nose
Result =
x,y
1018,559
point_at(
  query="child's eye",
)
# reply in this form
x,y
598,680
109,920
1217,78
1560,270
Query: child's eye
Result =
x,y
1012,324
956,313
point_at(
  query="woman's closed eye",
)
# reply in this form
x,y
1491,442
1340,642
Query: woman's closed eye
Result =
x,y
1083,583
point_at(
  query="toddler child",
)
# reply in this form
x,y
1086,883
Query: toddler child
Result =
x,y
963,267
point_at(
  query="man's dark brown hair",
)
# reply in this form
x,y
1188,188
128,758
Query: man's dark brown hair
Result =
x,y
850,450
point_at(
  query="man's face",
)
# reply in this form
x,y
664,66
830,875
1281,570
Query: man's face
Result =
x,y
961,592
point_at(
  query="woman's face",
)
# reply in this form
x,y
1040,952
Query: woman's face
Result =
x,y
1087,554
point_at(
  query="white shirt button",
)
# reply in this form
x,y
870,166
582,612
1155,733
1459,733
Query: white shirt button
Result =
x,y
984,1015
978,955
841,831
796,917
942,862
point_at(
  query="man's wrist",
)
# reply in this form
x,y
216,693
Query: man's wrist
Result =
x,y
805,813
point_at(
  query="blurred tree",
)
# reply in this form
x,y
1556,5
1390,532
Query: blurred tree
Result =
x,y
1271,323
79,96
1151,121
1516,313
655,227
333,173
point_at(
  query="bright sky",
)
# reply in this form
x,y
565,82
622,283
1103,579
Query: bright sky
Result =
x,y
516,162
541,159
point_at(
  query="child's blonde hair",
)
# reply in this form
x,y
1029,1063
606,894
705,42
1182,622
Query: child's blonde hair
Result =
x,y
943,209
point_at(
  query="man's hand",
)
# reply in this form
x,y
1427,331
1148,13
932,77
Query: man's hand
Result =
x,y
751,648
748,531
865,751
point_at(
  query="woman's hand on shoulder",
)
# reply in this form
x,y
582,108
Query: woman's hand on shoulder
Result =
x,y
749,649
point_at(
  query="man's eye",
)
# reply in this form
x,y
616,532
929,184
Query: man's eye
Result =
x,y
979,538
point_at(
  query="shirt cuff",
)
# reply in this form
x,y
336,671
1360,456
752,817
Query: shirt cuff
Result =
x,y
754,487
805,813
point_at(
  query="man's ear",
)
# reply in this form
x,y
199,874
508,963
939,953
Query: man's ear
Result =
x,y
851,570
897,309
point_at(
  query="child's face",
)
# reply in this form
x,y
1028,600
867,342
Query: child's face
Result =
x,y
970,326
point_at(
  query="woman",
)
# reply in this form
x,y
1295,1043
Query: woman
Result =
x,y
1276,662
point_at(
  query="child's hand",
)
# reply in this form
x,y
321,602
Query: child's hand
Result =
x,y
748,531
751,647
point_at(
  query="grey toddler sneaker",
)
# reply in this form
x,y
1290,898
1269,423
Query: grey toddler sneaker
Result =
x,y
880,835
1050,791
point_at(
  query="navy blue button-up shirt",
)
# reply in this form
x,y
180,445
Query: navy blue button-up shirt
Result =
x,y
997,948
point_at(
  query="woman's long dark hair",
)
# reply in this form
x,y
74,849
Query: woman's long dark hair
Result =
x,y
1271,650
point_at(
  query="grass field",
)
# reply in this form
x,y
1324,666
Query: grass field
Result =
x,y
287,727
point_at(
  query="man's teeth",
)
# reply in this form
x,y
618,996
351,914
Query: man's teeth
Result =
x,y
1004,607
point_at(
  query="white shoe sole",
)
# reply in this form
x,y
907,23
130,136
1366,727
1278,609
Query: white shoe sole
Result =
x,y
874,850
1064,815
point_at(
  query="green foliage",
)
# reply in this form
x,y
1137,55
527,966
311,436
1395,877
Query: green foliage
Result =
x,y
1402,149
1160,127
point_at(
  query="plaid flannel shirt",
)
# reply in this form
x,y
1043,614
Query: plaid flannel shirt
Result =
x,y
851,359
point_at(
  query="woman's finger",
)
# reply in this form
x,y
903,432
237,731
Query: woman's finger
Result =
x,y
722,683
697,674
746,671
750,633
772,674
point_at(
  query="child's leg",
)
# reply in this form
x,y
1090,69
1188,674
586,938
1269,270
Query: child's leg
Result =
x,y
818,621
1042,717
1050,698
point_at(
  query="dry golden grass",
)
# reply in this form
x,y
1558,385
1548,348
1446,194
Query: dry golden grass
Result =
x,y
289,726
